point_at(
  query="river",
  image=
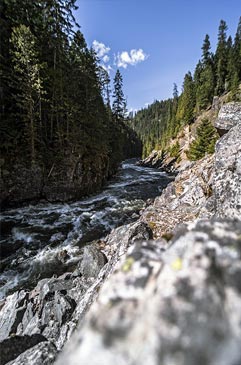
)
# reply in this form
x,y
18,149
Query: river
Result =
x,y
34,237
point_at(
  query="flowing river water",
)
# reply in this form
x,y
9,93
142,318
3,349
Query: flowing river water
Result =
x,y
34,238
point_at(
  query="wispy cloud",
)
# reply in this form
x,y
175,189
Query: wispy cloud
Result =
x,y
101,50
107,68
106,58
132,58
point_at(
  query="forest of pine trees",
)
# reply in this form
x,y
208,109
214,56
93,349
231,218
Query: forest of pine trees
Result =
x,y
215,74
54,95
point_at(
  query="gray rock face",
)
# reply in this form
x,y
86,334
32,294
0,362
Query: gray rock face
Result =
x,y
42,354
177,301
92,262
172,300
55,306
15,345
181,306
227,174
229,115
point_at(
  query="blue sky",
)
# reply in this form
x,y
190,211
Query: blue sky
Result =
x,y
154,42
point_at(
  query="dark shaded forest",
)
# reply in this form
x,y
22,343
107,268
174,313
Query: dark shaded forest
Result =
x,y
215,74
55,110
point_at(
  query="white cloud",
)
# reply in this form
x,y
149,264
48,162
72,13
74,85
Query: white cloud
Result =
x,y
106,58
101,50
133,57
107,68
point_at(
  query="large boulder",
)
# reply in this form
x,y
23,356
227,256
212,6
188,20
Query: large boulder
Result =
x,y
228,116
181,306
227,174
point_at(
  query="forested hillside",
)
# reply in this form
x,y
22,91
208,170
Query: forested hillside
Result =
x,y
215,74
58,131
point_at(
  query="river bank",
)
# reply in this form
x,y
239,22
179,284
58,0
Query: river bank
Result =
x,y
168,283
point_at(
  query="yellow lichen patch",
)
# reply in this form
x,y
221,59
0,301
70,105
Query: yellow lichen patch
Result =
x,y
177,264
152,225
179,189
128,264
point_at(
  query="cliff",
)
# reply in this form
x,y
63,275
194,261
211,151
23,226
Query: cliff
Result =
x,y
66,175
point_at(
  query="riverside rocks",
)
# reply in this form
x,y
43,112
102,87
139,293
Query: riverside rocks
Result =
x,y
14,346
70,180
172,300
55,306
183,200
176,300
227,174
228,116
181,306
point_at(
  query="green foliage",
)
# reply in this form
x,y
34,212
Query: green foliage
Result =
x,y
204,142
186,105
119,104
221,58
214,74
174,150
26,81
55,97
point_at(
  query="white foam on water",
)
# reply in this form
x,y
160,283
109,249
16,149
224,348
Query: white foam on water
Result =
x,y
18,235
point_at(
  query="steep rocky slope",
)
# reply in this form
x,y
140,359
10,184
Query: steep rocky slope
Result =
x,y
222,115
166,289
176,301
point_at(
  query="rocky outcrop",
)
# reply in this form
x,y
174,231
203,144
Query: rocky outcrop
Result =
x,y
54,307
16,345
158,160
72,178
164,290
177,299
181,306
42,354
228,116
227,174
183,200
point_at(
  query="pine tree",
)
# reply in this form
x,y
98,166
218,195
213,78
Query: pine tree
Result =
x,y
221,58
237,50
118,107
234,88
204,77
27,82
206,47
186,106
204,142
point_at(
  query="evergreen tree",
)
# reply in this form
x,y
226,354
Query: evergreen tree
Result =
x,y
237,50
204,142
52,107
185,112
175,92
26,80
206,47
118,107
221,58
204,77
